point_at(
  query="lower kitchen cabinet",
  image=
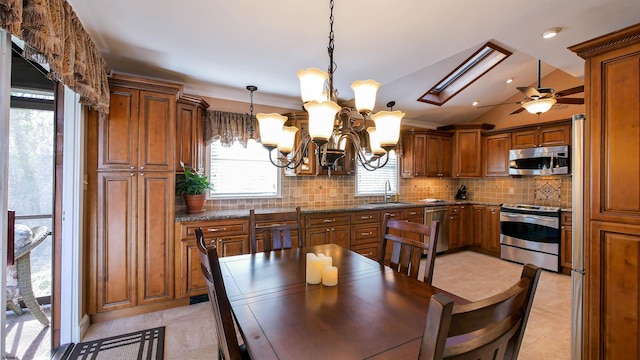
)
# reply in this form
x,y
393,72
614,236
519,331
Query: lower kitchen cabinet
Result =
x,y
566,241
492,240
485,236
459,229
231,237
328,228
366,232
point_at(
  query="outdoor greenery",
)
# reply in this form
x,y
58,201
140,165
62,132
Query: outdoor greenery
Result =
x,y
192,183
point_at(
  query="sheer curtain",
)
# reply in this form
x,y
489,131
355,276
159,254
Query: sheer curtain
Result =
x,y
230,127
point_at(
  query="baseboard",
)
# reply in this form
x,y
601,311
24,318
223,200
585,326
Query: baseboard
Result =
x,y
198,299
84,325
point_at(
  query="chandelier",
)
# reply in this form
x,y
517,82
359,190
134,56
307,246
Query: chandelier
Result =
x,y
331,126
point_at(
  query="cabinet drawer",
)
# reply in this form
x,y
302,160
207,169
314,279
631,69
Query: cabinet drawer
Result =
x,y
320,220
212,229
365,234
565,218
370,250
365,217
413,213
397,214
454,209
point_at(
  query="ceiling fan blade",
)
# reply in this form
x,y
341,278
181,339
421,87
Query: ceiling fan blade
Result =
x,y
492,105
571,101
571,91
517,111
530,92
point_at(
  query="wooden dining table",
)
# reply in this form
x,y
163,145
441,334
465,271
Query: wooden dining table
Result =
x,y
372,313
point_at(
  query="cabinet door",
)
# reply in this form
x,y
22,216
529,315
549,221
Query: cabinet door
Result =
x,y
454,231
408,154
524,139
566,241
496,155
341,235
157,131
188,137
467,149
156,191
493,230
118,131
478,234
317,236
115,282
554,135
233,245
444,164
420,166
191,279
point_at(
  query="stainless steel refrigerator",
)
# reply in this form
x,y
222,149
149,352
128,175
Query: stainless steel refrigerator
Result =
x,y
578,239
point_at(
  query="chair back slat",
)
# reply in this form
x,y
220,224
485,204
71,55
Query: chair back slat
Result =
x,y
491,328
407,252
223,316
276,230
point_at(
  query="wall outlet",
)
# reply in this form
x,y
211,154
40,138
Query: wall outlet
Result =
x,y
511,191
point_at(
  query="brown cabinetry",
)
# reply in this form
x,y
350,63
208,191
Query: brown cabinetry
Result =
x,y
542,135
612,86
328,228
231,237
190,132
485,235
414,151
426,153
566,242
365,233
496,154
438,159
130,196
467,154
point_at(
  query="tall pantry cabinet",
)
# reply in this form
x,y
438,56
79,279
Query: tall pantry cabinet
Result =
x,y
612,183
131,196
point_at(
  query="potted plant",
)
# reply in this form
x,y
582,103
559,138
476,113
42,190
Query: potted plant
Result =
x,y
193,187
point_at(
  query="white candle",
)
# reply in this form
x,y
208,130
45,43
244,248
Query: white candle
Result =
x,y
329,276
314,269
326,260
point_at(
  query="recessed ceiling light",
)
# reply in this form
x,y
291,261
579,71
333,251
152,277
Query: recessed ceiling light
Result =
x,y
509,80
475,103
551,33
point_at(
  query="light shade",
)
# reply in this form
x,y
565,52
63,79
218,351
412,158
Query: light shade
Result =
x,y
270,128
388,127
374,142
312,84
287,139
321,119
539,106
365,93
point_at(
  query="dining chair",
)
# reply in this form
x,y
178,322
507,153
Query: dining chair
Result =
x,y
491,328
225,323
406,252
275,229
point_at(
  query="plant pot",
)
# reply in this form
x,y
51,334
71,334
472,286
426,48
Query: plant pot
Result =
x,y
195,203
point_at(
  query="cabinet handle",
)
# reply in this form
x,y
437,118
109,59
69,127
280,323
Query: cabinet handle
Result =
x,y
366,233
132,168
141,174
328,220
366,217
131,174
141,167
216,229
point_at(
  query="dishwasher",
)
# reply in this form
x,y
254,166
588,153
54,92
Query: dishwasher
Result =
x,y
439,213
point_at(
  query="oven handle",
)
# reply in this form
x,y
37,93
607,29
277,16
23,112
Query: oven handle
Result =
x,y
531,219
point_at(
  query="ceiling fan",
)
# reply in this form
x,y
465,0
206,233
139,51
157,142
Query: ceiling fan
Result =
x,y
539,100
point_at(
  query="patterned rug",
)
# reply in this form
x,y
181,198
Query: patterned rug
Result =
x,y
143,345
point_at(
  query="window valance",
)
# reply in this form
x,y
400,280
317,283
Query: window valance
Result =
x,y
229,127
54,35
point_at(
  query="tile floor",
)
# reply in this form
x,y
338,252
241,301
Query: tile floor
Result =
x,y
26,337
474,276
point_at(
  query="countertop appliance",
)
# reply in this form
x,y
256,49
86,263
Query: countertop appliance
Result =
x,y
439,213
530,234
578,239
462,193
546,160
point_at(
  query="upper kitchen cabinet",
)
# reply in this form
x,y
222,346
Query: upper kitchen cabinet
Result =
x,y
426,153
554,133
496,154
189,132
139,131
612,248
467,149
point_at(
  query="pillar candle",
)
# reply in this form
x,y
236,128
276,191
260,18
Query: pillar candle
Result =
x,y
329,276
326,260
314,269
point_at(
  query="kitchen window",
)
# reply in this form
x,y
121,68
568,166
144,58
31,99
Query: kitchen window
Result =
x,y
239,172
370,183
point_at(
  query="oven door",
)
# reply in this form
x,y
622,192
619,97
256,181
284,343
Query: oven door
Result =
x,y
530,231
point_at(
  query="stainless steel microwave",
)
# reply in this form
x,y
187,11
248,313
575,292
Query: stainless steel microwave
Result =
x,y
546,160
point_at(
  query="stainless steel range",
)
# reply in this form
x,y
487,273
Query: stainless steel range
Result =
x,y
530,234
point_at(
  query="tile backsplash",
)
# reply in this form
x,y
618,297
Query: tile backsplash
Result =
x,y
340,190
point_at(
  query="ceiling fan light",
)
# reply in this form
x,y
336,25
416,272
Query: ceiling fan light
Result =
x,y
321,119
312,84
365,93
548,34
270,128
388,127
539,106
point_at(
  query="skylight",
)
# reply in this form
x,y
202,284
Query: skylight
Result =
x,y
483,60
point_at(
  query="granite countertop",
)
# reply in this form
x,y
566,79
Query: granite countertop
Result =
x,y
182,216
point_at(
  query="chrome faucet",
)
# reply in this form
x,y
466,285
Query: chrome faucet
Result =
x,y
387,187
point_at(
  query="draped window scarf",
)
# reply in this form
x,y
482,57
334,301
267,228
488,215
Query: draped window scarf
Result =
x,y
230,127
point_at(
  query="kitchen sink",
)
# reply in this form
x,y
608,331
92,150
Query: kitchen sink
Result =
x,y
388,203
